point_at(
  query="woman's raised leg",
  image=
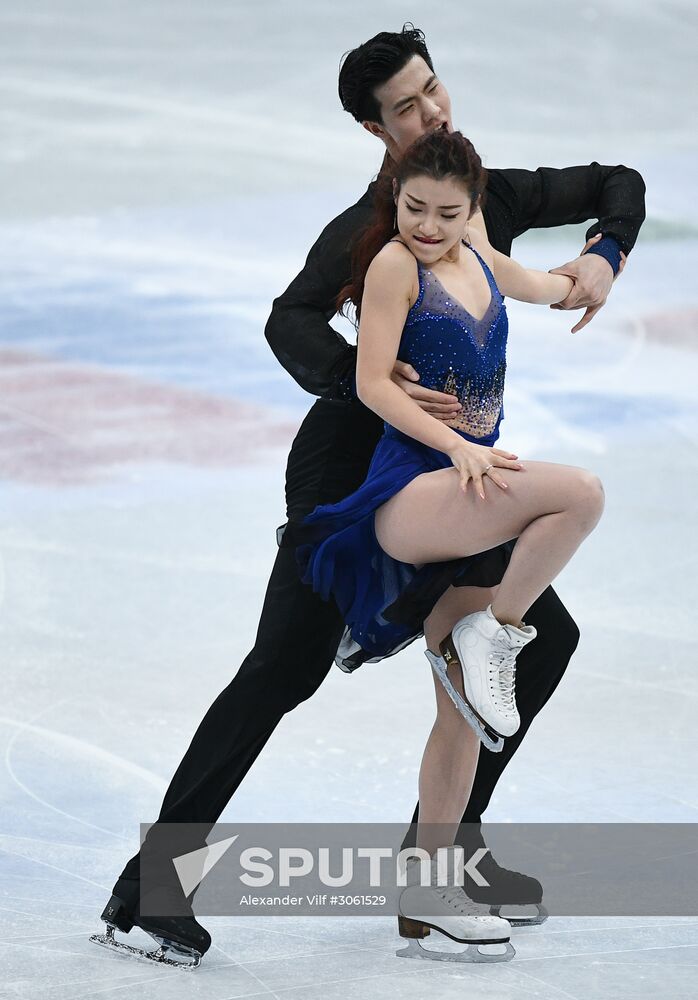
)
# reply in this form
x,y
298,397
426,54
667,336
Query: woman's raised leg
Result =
x,y
549,508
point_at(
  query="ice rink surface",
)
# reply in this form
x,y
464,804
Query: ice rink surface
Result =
x,y
164,168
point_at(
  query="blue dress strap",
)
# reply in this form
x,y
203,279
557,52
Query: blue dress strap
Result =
x,y
488,274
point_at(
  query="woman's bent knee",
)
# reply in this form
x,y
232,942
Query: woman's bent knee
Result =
x,y
589,497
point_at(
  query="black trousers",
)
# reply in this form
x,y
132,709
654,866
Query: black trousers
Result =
x,y
299,633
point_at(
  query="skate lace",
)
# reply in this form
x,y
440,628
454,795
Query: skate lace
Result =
x,y
456,899
503,659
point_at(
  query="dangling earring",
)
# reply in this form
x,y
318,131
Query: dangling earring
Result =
x,y
395,220
467,235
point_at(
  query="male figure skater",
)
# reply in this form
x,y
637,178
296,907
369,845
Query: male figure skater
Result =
x,y
389,86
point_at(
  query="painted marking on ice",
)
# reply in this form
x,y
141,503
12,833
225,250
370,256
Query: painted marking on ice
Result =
x,y
65,423
673,327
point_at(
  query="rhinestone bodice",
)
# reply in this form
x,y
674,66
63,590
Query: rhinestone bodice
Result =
x,y
456,353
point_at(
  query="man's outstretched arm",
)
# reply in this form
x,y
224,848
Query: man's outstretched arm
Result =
x,y
614,196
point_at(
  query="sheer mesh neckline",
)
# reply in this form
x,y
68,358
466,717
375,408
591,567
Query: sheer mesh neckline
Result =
x,y
435,300
458,304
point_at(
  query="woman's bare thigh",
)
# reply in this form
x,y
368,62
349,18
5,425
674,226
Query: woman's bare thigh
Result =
x,y
431,519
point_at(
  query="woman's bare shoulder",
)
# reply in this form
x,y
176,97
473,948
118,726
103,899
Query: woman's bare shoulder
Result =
x,y
396,263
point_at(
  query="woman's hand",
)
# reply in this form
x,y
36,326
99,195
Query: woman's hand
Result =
x,y
474,461
441,405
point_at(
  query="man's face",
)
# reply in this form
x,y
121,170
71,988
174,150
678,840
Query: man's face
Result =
x,y
412,102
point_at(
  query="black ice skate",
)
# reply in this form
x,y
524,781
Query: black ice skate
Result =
x,y
182,941
509,890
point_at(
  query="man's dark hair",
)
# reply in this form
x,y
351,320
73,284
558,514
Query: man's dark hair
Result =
x,y
373,63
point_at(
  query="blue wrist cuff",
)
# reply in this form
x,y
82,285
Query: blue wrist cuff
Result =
x,y
608,248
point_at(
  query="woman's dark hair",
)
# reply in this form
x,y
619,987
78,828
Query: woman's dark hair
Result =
x,y
438,155
372,64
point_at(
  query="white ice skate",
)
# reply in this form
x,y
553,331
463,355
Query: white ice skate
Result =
x,y
447,909
486,652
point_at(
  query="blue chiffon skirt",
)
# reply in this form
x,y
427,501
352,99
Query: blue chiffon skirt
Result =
x,y
383,601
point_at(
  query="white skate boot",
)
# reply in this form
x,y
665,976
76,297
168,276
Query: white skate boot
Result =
x,y
447,909
486,651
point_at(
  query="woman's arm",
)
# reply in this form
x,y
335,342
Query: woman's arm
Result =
x,y
527,284
384,308
513,280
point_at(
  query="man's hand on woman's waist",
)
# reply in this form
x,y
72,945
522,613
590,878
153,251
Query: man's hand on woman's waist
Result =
x,y
441,405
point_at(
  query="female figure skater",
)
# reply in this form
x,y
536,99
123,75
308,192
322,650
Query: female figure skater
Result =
x,y
428,289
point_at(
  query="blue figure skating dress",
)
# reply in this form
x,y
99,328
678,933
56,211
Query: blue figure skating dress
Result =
x,y
384,601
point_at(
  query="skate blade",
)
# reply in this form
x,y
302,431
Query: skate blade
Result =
x,y
471,953
522,919
493,741
159,956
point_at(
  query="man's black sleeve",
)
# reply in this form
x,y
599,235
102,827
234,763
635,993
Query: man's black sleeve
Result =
x,y
534,199
298,330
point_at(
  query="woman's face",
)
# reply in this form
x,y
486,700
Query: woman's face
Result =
x,y
431,216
